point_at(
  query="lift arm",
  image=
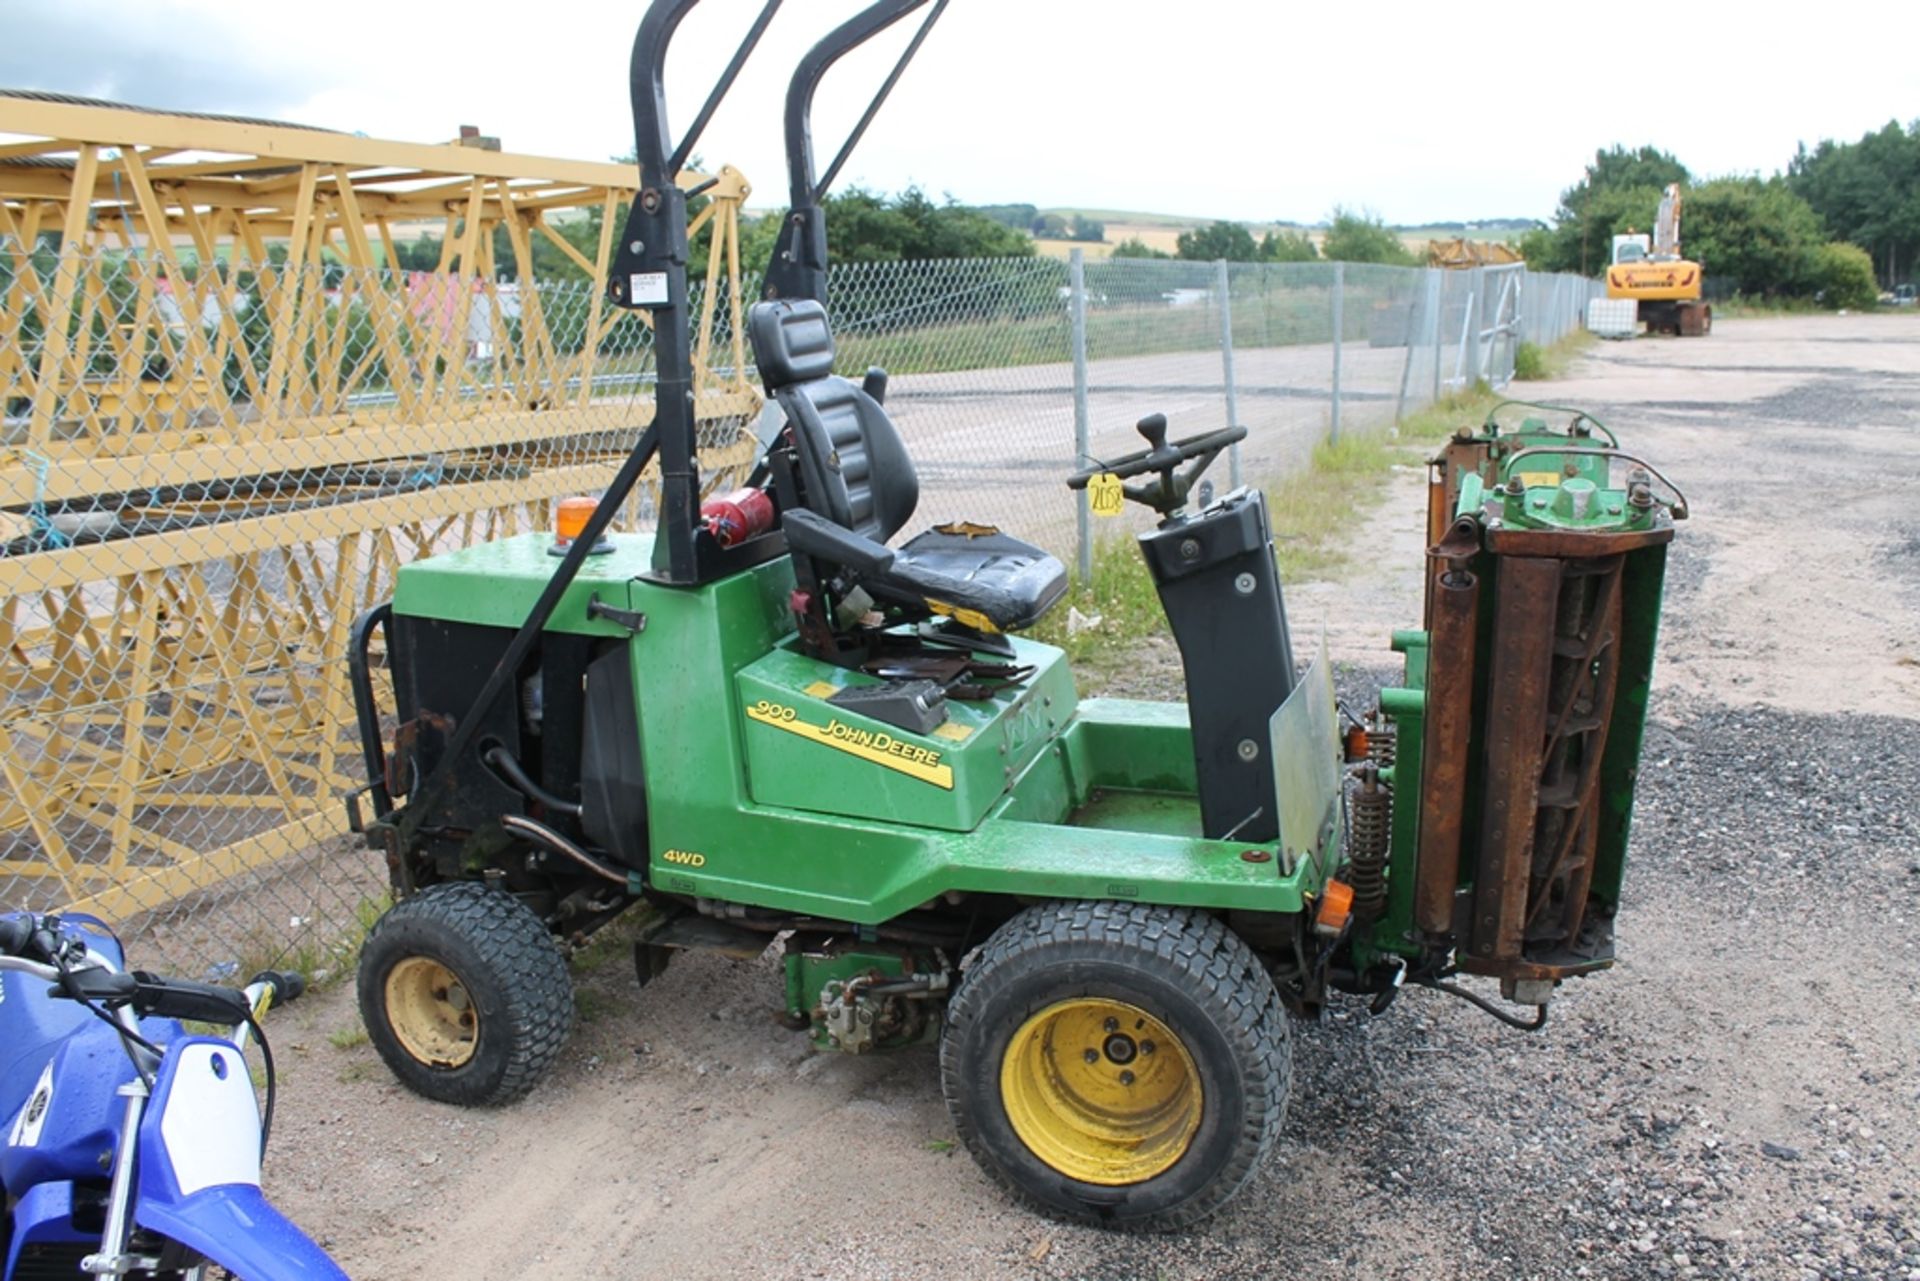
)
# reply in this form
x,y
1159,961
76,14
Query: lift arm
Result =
x,y
1666,225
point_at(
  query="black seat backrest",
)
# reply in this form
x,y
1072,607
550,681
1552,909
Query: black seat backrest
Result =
x,y
854,470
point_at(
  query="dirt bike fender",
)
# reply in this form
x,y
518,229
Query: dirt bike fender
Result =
x,y
200,1169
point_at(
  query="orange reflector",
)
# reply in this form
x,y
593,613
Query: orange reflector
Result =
x,y
570,517
1336,905
1357,744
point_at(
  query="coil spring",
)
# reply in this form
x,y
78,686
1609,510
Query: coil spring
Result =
x,y
1382,742
1371,823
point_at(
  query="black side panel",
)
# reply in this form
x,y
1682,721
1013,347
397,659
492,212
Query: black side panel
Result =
x,y
613,788
439,668
550,745
1221,592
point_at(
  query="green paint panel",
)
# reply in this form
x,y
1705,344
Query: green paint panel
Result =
x,y
1127,743
805,753
744,811
1162,812
496,584
713,837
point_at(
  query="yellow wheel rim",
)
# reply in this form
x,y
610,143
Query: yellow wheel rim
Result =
x,y
1101,1091
431,1013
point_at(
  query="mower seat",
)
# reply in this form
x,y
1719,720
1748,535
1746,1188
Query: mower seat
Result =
x,y
858,487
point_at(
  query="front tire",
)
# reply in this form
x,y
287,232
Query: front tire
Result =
x,y
464,994
1117,1063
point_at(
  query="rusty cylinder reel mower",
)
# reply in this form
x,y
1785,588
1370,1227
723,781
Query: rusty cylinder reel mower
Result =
x,y
1518,734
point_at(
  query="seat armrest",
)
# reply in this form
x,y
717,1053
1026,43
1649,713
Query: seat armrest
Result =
x,y
815,536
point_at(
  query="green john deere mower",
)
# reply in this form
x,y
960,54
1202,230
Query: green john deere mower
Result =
x,y
767,723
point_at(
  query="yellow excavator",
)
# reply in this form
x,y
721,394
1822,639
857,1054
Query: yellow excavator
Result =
x,y
1666,285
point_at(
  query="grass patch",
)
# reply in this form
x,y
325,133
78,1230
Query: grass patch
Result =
x,y
1311,510
1120,594
1529,362
322,959
347,1038
1534,363
1440,419
1742,307
1312,507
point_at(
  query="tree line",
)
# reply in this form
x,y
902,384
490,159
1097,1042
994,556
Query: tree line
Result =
x,y
1842,221
1352,236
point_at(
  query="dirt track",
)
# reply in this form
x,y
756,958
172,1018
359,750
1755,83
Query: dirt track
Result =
x,y
1765,994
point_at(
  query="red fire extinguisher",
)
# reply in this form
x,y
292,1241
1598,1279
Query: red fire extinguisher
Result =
x,y
734,518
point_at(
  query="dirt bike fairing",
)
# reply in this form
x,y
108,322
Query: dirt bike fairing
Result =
x,y
133,1146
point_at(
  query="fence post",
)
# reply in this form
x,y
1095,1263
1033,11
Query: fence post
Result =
x,y
1339,319
1436,281
1226,367
1474,358
1077,309
1412,341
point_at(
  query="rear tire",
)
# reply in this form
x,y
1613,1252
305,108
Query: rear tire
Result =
x,y
1117,1063
464,994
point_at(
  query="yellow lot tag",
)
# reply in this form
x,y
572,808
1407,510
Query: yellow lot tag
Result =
x,y
1103,494
1532,478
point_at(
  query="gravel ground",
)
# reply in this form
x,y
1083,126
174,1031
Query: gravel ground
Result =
x,y
1737,1098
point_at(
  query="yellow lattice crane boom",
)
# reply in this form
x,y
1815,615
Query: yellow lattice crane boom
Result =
x,y
229,415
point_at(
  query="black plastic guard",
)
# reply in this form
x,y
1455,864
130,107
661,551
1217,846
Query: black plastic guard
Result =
x,y
1221,592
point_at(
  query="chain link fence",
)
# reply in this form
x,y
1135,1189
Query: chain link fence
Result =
x,y
1007,374
204,480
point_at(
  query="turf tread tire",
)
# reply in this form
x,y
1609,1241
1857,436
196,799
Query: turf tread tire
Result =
x,y
1188,950
510,966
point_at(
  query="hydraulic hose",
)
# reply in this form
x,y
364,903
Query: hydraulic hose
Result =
x,y
548,839
1538,1021
503,760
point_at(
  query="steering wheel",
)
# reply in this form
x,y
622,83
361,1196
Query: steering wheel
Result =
x,y
1167,491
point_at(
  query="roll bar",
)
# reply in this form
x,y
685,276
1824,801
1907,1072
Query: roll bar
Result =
x,y
650,272
799,265
650,262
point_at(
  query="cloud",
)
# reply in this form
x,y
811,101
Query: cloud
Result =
x,y
176,58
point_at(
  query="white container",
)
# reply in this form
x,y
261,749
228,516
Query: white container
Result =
x,y
1613,317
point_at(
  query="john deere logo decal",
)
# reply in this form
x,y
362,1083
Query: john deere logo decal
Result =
x,y
875,746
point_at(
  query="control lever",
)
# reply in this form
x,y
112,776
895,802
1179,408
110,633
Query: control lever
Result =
x,y
1154,428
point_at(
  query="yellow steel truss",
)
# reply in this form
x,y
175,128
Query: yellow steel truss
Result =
x,y
228,420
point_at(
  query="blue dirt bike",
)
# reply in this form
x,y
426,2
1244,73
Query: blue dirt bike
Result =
x,y
132,1146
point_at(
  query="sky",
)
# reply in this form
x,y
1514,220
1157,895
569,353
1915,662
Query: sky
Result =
x,y
1208,108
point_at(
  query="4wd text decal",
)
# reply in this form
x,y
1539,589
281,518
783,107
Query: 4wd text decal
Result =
x,y
874,746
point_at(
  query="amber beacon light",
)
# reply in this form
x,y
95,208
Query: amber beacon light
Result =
x,y
570,517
